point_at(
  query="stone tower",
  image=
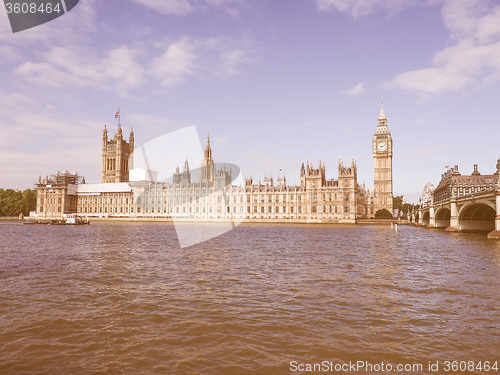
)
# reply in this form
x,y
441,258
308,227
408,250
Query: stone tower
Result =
x,y
207,166
311,177
186,174
348,177
116,160
382,157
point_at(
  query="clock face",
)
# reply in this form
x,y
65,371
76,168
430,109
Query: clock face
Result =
x,y
382,146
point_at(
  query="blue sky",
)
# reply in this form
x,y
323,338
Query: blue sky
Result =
x,y
276,83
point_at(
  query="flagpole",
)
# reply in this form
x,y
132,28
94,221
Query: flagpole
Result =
x,y
119,118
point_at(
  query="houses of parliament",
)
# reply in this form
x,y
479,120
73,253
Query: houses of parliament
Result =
x,y
208,192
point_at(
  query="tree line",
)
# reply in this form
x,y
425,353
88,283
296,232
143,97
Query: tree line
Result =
x,y
14,202
403,210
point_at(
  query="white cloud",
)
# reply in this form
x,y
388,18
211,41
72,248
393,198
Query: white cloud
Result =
x,y
184,7
36,141
356,90
360,8
60,56
154,125
232,60
473,60
123,67
179,7
135,67
233,7
488,27
21,168
461,17
76,66
176,63
10,54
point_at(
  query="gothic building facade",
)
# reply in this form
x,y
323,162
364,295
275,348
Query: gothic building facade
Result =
x,y
209,192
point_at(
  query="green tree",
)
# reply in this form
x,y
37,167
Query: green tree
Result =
x,y
383,214
29,201
405,208
13,202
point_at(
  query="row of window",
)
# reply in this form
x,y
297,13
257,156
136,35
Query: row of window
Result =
x,y
104,200
105,209
50,200
184,198
111,164
218,209
210,199
50,209
459,191
277,198
300,209
467,190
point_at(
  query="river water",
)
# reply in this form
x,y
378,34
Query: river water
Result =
x,y
123,298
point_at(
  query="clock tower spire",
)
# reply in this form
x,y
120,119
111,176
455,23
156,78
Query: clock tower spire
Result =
x,y
382,157
382,113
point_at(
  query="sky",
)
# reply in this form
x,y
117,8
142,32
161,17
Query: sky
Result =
x,y
275,82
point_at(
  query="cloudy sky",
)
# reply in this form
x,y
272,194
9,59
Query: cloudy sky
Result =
x,y
275,82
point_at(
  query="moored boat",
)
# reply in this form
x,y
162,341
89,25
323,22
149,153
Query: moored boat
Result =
x,y
36,222
71,220
67,220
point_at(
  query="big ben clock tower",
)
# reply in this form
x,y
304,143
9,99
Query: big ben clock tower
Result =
x,y
382,157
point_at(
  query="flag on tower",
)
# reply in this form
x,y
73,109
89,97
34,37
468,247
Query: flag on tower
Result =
x,y
117,113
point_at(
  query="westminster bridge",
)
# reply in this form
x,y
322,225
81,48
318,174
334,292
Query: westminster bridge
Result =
x,y
463,203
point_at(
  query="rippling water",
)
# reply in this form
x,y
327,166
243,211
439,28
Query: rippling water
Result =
x,y
124,298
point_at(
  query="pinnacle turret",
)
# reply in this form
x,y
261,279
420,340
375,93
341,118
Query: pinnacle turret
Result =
x,y
382,113
208,149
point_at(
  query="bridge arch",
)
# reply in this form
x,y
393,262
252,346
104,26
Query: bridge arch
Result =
x,y
477,217
443,216
426,216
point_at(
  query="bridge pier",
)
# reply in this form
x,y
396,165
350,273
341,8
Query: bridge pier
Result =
x,y
496,232
453,217
432,218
